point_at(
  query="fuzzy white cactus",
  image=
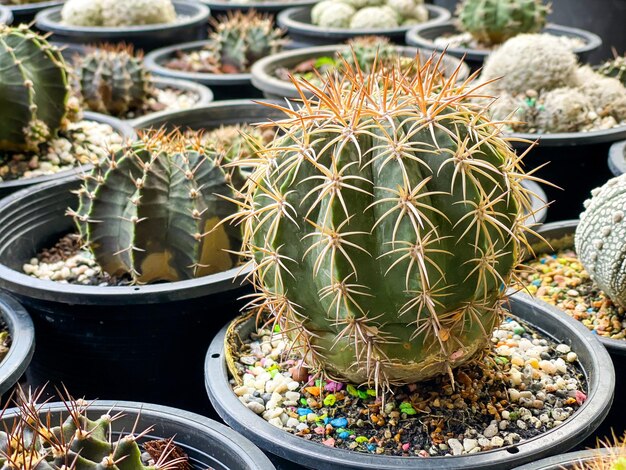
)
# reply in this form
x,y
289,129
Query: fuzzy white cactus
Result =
x,y
117,12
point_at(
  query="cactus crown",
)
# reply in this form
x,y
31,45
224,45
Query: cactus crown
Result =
x,y
32,441
495,21
366,49
34,89
385,224
152,210
113,80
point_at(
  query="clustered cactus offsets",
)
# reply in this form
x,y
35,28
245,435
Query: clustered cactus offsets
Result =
x,y
368,14
32,440
237,41
117,12
544,89
384,225
152,210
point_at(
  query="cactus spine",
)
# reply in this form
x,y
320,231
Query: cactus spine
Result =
x,y
385,224
495,21
152,211
34,89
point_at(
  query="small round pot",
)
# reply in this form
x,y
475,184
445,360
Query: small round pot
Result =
x,y
6,16
22,333
264,71
617,158
297,22
121,127
593,357
207,443
192,26
569,461
26,13
262,6
225,86
129,342
424,35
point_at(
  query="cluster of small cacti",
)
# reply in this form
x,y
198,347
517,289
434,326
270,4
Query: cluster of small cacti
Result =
x,y
601,238
494,21
31,440
615,68
112,80
117,12
382,236
368,14
236,42
152,210
544,89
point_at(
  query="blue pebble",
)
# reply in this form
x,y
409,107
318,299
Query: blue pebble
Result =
x,y
543,261
339,422
344,435
537,282
304,411
371,447
590,309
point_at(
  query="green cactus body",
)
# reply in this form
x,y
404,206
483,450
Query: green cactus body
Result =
x,y
152,211
368,49
495,21
601,238
384,226
33,89
615,68
113,81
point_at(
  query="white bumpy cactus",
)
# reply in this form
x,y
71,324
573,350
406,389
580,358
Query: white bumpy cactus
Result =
x,y
601,238
117,12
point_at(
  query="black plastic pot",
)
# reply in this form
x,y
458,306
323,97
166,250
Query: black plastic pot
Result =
x,y
617,158
133,342
191,25
121,127
207,443
225,86
424,35
561,235
264,71
262,6
6,17
22,333
303,453
297,22
26,13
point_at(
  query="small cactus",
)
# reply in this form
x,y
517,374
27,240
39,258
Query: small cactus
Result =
x,y
375,18
365,50
601,238
115,13
368,14
112,80
494,21
614,68
152,210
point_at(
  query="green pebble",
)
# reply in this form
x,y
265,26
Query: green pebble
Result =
x,y
361,439
330,400
519,330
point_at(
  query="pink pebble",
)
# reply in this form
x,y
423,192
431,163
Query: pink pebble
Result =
x,y
333,386
423,453
580,397
405,447
330,442
319,430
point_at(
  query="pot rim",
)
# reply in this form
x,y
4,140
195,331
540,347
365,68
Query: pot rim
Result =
x,y
32,8
269,6
22,347
6,15
617,158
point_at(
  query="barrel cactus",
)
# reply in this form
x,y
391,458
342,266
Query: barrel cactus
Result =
x,y
152,210
601,238
115,13
34,89
495,21
112,80
384,225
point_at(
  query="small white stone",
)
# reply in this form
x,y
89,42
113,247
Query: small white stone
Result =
x,y
490,430
563,348
255,407
497,441
455,446
469,444
292,423
276,422
571,357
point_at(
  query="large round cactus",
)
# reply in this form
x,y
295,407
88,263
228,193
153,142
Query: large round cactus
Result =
x,y
153,211
34,89
385,225
495,21
601,238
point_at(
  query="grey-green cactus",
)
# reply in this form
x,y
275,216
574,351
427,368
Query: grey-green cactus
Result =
x,y
153,211
117,12
34,89
601,238
495,21
375,18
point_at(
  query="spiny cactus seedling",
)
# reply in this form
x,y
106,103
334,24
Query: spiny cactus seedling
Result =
x,y
152,210
613,456
112,80
615,68
34,89
116,13
601,238
32,441
494,21
384,226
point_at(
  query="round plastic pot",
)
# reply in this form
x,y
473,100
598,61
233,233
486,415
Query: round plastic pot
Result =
x,y
207,443
224,86
6,17
262,6
297,22
121,127
617,158
191,25
264,71
22,333
133,342
424,35
593,358
26,13
569,461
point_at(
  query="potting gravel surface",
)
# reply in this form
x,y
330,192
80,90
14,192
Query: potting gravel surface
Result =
x,y
561,280
525,385
466,40
165,99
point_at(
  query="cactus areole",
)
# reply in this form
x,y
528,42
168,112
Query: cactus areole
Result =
x,y
385,225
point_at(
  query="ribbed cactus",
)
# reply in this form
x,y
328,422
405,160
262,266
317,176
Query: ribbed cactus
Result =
x,y
601,238
112,80
495,21
368,49
152,211
34,89
384,226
